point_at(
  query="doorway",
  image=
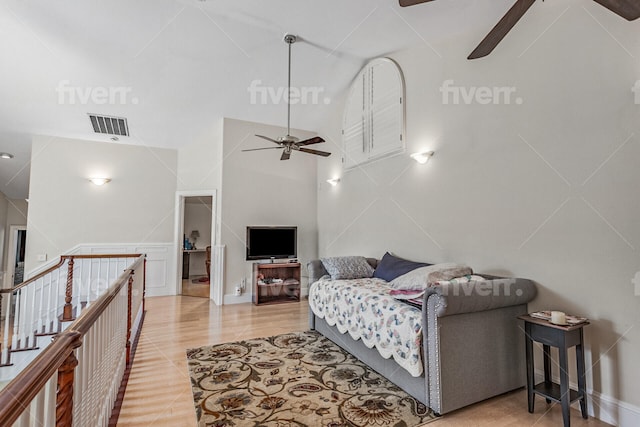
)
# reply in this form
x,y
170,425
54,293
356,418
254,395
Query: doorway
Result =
x,y
195,240
17,244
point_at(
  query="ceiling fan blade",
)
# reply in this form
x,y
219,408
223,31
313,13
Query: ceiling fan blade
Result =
x,y
405,3
285,155
628,9
258,149
316,152
315,140
268,139
501,29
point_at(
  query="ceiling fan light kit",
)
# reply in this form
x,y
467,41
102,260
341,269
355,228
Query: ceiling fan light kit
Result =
x,y
288,142
627,9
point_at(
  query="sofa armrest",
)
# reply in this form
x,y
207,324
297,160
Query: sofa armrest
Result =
x,y
480,296
316,270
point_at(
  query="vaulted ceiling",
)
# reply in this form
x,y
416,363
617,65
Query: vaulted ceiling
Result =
x,y
173,67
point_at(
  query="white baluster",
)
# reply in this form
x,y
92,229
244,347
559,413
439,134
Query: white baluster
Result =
x,y
54,298
23,421
31,313
50,401
7,328
16,320
108,278
98,281
37,408
41,298
89,282
46,304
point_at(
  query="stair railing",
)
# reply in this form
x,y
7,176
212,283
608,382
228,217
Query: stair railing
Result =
x,y
46,303
75,380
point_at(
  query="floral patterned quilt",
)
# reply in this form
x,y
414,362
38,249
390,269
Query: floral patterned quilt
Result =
x,y
365,309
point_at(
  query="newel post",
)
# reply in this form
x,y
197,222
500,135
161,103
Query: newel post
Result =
x,y
129,298
64,391
67,312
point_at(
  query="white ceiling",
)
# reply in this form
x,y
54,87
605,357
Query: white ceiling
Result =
x,y
186,63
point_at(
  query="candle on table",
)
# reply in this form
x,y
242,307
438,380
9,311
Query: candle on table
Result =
x,y
558,317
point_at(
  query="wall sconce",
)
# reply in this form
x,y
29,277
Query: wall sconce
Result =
x,y
100,181
6,156
422,157
333,181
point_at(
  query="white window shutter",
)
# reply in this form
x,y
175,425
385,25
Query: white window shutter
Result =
x,y
353,130
386,109
373,124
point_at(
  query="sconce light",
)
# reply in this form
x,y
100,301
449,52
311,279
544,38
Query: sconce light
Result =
x,y
333,181
100,181
6,156
422,157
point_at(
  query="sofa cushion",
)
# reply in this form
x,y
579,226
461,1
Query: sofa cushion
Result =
x,y
391,267
347,267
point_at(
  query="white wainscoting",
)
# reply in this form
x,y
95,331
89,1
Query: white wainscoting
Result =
x,y
161,271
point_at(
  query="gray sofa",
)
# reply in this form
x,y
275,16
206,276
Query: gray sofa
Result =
x,y
473,346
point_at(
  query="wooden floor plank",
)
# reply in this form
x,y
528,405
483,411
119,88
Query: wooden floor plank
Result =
x,y
159,392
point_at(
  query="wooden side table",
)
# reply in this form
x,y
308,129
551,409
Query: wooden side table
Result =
x,y
563,338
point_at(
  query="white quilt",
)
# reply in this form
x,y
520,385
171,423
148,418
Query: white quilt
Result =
x,y
365,309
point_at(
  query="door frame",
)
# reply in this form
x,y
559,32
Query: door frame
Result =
x,y
11,254
216,291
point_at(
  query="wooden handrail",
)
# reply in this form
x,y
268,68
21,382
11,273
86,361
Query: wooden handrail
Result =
x,y
63,258
90,256
88,317
23,388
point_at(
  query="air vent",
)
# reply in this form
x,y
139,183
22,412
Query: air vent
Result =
x,y
109,125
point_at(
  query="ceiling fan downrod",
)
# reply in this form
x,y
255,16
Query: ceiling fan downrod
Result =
x,y
289,39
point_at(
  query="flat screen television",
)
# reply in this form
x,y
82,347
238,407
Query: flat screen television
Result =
x,y
271,242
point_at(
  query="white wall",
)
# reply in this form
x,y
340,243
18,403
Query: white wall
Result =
x,y
260,189
66,210
200,165
546,189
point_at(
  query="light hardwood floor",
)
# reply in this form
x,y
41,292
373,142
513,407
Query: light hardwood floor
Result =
x,y
191,289
159,392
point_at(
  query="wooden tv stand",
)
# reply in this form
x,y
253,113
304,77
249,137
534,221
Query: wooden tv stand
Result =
x,y
286,287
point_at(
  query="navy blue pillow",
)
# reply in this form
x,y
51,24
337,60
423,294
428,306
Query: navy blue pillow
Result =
x,y
391,267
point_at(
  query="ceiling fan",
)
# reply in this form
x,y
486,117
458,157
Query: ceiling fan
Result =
x,y
628,9
288,142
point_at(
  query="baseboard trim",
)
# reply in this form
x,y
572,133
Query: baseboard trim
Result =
x,y
605,408
233,299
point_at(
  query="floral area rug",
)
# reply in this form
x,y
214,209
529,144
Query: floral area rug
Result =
x,y
296,380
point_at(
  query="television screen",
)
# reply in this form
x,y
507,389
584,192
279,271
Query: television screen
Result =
x,y
271,242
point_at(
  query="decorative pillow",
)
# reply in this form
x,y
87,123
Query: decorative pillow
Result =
x,y
449,273
391,267
461,280
420,277
347,267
